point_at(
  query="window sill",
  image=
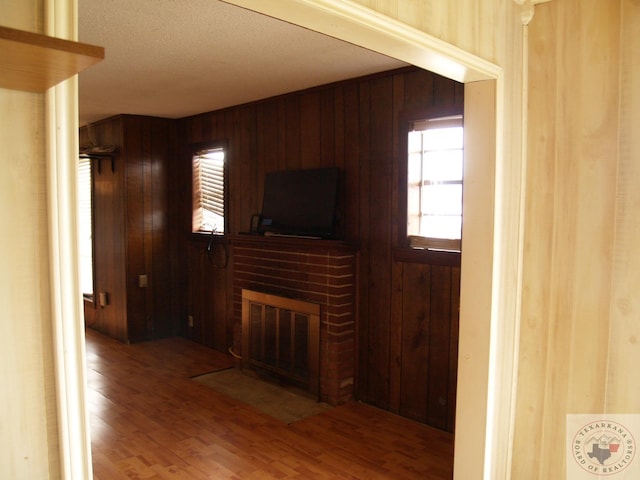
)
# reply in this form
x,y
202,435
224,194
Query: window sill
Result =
x,y
207,236
439,244
429,257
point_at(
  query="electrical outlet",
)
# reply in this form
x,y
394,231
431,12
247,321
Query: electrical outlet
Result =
x,y
142,281
190,320
103,299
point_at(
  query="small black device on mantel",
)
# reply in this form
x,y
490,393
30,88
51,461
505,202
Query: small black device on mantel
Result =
x,y
300,203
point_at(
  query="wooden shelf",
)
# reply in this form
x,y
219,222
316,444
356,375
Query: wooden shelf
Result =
x,y
33,63
291,243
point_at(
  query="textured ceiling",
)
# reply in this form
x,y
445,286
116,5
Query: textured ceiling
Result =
x,y
175,58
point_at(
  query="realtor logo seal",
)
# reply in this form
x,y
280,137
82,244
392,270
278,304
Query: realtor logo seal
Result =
x,y
603,447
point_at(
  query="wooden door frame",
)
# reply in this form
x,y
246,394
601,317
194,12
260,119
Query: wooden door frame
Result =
x,y
492,238
491,266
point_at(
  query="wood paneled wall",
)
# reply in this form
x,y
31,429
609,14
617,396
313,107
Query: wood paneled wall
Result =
x,y
108,230
423,345
580,315
354,125
131,227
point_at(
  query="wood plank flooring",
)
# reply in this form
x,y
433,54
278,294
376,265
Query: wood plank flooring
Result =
x,y
150,421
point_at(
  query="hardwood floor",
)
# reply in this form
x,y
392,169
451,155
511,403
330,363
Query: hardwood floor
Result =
x,y
150,421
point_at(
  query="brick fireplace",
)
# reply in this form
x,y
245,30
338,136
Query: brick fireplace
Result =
x,y
317,271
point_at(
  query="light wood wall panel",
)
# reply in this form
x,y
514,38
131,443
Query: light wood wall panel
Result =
x,y
29,432
468,24
623,391
576,329
29,435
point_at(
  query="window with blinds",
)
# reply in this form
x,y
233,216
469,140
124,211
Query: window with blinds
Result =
x,y
434,183
208,191
85,230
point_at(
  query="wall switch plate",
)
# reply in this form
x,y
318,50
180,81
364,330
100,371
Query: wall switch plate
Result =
x,y
142,281
190,320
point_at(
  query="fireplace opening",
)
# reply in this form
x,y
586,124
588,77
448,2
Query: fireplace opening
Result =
x,y
281,337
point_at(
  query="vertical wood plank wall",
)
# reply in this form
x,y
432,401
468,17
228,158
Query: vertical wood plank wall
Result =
x,y
108,231
423,345
148,144
131,228
353,125
580,312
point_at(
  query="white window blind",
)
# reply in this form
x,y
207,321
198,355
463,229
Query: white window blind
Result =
x,y
208,172
85,225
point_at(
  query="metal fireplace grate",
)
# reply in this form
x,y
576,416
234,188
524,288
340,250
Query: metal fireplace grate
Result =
x,y
281,336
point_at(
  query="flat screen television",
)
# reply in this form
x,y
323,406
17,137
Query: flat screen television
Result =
x,y
300,203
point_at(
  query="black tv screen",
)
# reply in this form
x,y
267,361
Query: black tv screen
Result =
x,y
300,202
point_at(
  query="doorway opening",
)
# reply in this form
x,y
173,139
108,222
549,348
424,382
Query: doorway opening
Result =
x,y
489,300
492,303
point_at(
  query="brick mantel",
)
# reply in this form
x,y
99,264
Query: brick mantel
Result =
x,y
319,271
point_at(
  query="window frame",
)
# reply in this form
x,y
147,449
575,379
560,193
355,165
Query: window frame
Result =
x,y
88,159
194,149
408,246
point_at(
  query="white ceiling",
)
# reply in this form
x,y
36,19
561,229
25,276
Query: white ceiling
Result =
x,y
175,58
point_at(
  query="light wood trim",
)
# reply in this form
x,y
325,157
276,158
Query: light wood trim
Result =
x,y
67,314
33,62
362,26
477,283
61,108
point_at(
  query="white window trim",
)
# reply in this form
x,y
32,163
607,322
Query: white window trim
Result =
x,y
429,242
